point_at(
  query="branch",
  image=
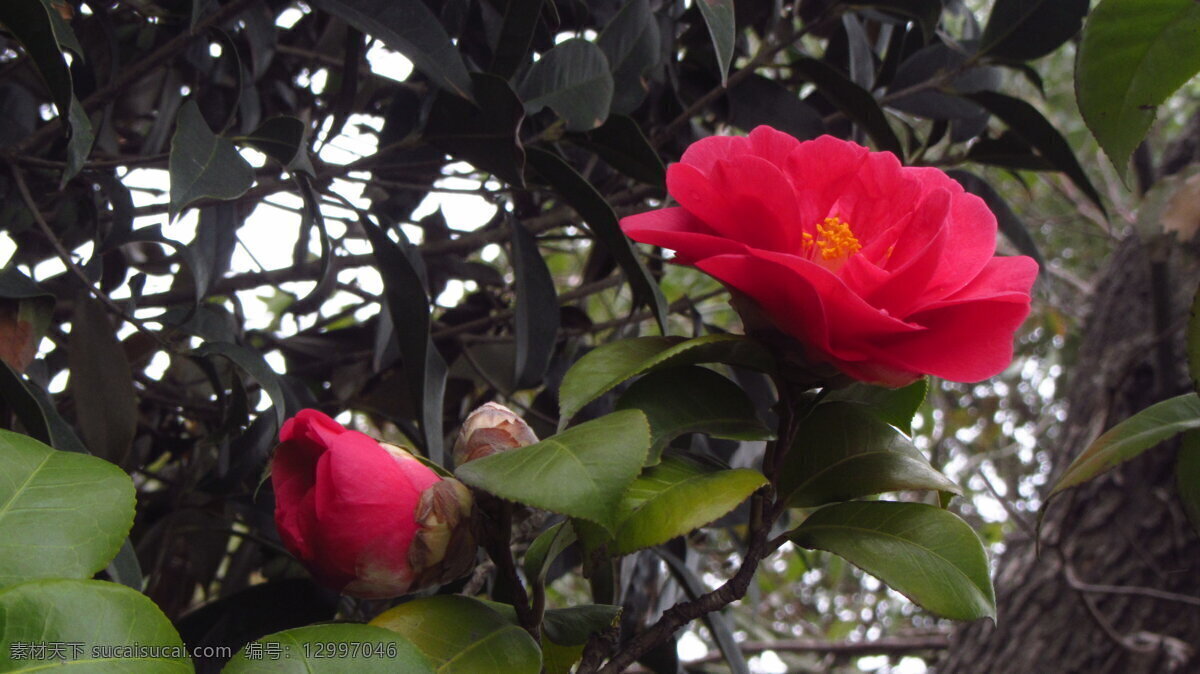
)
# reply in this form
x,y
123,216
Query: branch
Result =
x,y
885,646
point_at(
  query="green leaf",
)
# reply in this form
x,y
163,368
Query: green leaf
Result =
x,y
461,635
573,79
409,27
409,306
282,139
569,626
110,623
1187,475
1132,437
328,649
852,100
203,164
1133,55
602,221
1021,30
677,496
603,368
843,451
516,35
252,363
545,549
536,320
759,100
718,16
717,621
1193,342
1030,126
692,400
62,514
106,406
923,552
581,472
893,406
484,133
621,143
631,43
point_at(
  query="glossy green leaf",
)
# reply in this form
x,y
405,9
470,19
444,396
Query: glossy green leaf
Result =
x,y
409,27
1187,477
718,16
923,552
603,368
117,630
573,80
581,472
893,406
282,139
62,514
202,164
842,451
545,549
692,400
621,143
252,363
1131,437
1021,30
327,649
516,35
580,195
484,133
760,100
677,496
631,43
1030,126
536,320
569,626
852,100
101,383
461,635
1133,55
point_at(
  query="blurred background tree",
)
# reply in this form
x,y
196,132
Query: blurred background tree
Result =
x,y
395,210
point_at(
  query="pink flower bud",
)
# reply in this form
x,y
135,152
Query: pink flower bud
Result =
x,y
490,429
367,519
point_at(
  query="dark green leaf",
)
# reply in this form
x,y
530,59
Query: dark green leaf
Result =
x,y
1193,342
125,568
536,322
692,399
621,143
855,102
895,407
545,548
409,27
328,649
1007,151
1029,125
1187,477
581,472
1131,437
631,43
936,63
923,552
101,382
927,12
842,451
282,139
718,16
677,496
1021,30
1133,55
36,410
757,100
460,635
1010,223
484,133
573,79
203,164
116,628
252,363
408,304
516,34
603,368
573,625
602,221
62,514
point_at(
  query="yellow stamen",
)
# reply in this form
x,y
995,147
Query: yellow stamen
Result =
x,y
834,240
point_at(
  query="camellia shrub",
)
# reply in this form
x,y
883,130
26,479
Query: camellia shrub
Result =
x,y
541,422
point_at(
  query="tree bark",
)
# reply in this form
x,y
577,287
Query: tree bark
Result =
x,y
1125,528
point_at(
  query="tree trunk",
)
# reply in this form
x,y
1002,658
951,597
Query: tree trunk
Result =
x,y
1127,527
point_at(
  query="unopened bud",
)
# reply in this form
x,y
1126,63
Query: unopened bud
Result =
x,y
444,547
490,429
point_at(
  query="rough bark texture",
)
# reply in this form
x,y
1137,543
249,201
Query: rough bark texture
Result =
x,y
1125,528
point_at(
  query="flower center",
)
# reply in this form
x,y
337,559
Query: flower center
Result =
x,y
834,242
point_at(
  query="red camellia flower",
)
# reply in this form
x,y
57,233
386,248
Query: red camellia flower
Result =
x,y
887,272
366,518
